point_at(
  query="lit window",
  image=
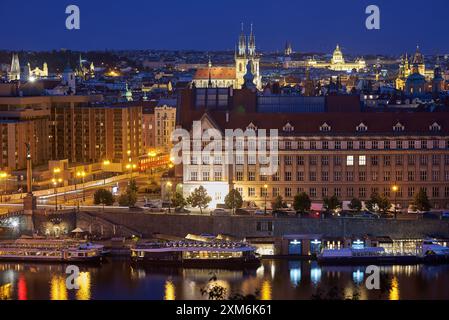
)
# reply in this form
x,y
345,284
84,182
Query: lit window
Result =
x,y
350,160
362,161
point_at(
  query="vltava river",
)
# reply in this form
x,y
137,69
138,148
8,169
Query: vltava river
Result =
x,y
275,279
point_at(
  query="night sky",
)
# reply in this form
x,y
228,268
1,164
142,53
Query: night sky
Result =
x,y
215,25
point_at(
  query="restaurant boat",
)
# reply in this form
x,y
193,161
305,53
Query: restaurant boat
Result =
x,y
432,251
362,256
196,254
429,252
49,250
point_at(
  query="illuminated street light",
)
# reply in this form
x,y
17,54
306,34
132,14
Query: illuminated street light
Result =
x,y
55,185
105,163
395,189
169,186
266,194
4,177
82,174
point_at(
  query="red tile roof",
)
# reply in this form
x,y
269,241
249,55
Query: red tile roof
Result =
x,y
343,123
216,73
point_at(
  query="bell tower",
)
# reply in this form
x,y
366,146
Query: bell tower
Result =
x,y
240,60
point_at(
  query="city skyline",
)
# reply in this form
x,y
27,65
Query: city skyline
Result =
x,y
134,27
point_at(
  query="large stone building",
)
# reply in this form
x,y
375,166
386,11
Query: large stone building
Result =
x,y
225,77
340,150
337,63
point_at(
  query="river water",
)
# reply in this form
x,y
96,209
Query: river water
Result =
x,y
274,279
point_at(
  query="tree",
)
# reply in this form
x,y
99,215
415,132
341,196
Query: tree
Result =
x,y
378,203
355,205
421,201
332,203
104,197
129,198
233,200
132,186
178,200
199,198
302,202
277,203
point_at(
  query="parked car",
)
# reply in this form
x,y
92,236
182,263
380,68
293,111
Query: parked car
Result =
x,y
166,204
370,215
242,212
219,212
431,215
279,213
346,214
260,212
181,210
309,215
445,215
150,205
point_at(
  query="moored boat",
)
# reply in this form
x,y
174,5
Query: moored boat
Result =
x,y
433,252
196,254
362,256
50,250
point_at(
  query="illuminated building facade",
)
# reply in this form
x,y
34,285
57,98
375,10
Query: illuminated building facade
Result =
x,y
337,63
164,124
77,128
351,154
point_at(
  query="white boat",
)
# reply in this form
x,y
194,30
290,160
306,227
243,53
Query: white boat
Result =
x,y
433,251
375,255
49,250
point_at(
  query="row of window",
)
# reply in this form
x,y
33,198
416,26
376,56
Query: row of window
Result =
x,y
338,176
351,160
361,192
363,145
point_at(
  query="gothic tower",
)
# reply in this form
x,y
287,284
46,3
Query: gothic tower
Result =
x,y
247,52
14,73
240,60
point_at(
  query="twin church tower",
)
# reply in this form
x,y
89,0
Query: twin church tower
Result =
x,y
247,54
246,59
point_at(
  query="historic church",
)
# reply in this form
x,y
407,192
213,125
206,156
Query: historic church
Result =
x,y
224,77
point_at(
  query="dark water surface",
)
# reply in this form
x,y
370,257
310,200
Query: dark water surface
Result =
x,y
275,279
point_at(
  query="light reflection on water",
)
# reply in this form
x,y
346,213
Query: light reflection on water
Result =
x,y
274,279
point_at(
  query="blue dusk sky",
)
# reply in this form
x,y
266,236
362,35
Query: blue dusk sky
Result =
x,y
215,25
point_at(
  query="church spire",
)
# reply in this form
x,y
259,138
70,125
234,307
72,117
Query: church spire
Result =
x,y
252,43
242,43
14,73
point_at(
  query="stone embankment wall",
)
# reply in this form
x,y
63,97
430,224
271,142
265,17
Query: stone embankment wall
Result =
x,y
181,225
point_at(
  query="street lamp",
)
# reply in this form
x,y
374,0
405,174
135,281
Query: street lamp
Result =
x,y
131,167
266,194
55,185
169,185
3,176
105,164
82,174
395,189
